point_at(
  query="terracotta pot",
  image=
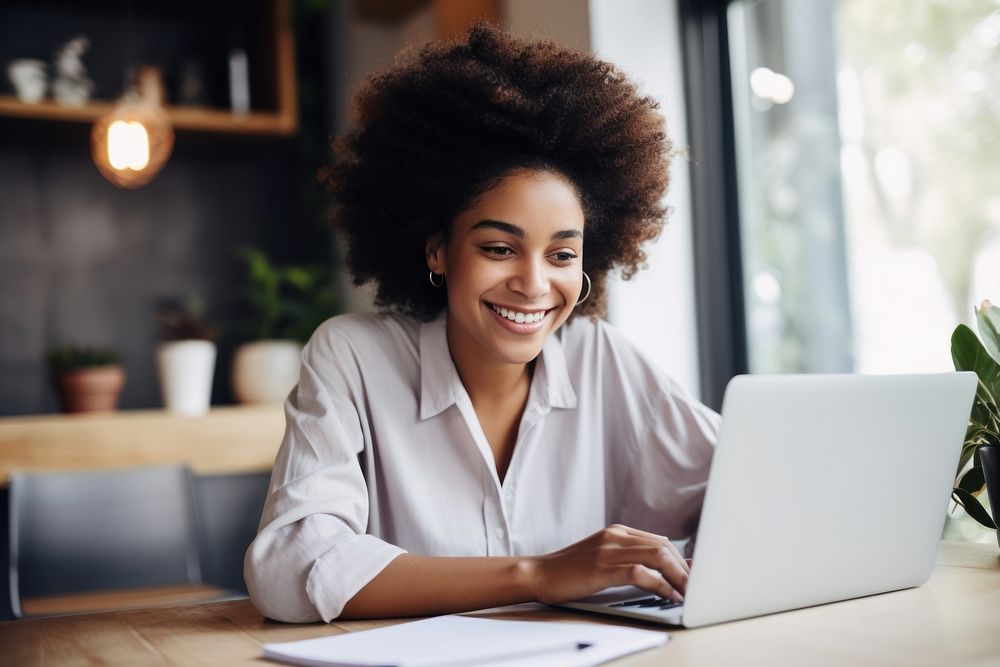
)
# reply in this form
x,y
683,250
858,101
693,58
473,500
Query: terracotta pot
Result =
x,y
91,389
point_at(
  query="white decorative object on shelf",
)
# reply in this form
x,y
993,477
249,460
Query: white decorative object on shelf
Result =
x,y
266,370
239,82
29,79
71,87
186,369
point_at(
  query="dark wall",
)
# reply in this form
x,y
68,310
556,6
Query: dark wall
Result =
x,y
84,262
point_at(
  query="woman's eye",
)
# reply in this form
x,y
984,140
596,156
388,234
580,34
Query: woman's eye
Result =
x,y
498,250
563,256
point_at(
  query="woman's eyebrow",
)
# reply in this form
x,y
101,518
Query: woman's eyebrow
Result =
x,y
514,230
505,227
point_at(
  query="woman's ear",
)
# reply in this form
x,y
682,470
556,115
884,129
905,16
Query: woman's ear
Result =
x,y
435,250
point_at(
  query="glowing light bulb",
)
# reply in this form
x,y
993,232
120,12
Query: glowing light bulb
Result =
x,y
133,141
128,145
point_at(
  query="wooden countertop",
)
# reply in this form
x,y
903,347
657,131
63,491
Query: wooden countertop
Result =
x,y
226,440
951,620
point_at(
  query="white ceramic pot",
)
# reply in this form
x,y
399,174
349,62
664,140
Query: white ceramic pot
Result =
x,y
186,368
266,371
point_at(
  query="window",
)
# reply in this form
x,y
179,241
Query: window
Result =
x,y
867,137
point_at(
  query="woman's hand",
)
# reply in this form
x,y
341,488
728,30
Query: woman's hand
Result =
x,y
615,556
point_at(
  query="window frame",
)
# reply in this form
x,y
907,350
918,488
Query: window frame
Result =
x,y
718,263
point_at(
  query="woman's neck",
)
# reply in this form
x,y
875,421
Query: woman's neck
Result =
x,y
486,379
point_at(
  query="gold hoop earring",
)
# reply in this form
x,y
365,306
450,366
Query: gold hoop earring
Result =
x,y
587,295
430,277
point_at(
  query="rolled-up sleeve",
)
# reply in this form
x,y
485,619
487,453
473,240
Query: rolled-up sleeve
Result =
x,y
311,554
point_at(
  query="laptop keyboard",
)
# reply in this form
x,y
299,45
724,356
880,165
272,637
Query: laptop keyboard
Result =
x,y
652,601
631,602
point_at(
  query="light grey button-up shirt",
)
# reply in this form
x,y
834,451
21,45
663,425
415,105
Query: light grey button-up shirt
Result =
x,y
383,453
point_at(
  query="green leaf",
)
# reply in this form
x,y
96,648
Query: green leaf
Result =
x,y
289,301
988,322
72,357
973,508
985,437
299,277
973,481
968,354
967,451
980,415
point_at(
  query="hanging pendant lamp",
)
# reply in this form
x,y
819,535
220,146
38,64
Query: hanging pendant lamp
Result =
x,y
131,144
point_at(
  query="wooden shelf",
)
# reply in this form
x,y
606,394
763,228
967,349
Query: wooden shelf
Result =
x,y
230,439
280,118
183,118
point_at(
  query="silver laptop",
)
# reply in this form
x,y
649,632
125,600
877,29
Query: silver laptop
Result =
x,y
822,488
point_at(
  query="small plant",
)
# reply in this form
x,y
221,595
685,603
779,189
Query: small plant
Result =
x,y
67,358
86,378
289,301
969,354
184,321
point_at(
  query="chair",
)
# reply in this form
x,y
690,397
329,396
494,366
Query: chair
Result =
x,y
229,508
83,541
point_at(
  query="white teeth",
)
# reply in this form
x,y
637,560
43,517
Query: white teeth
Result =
x,y
520,318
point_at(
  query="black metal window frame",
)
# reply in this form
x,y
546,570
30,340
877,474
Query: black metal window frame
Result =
x,y
721,313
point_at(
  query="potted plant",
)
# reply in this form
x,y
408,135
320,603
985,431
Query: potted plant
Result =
x,y
185,359
982,439
288,303
88,379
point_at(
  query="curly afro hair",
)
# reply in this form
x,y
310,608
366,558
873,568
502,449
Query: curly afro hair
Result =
x,y
443,124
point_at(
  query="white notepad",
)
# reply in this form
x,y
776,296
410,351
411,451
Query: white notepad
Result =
x,y
459,641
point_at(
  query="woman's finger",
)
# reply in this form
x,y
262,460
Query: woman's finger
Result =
x,y
660,539
645,578
658,558
680,557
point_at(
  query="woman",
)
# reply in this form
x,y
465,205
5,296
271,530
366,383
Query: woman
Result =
x,y
484,442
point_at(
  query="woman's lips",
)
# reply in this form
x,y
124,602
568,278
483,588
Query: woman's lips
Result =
x,y
522,328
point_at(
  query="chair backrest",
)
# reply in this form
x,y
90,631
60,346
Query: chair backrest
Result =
x,y
229,508
89,531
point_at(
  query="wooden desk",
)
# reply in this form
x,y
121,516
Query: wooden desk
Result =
x,y
952,620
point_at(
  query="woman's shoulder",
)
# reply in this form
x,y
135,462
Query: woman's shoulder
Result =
x,y
613,356
583,333
364,331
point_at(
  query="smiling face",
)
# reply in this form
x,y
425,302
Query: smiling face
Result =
x,y
513,267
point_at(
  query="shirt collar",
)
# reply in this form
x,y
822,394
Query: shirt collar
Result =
x,y
439,381
438,376
550,371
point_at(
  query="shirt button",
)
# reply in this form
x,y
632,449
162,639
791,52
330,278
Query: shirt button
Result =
x,y
499,533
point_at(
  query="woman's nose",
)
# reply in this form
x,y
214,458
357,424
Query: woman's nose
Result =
x,y
530,280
